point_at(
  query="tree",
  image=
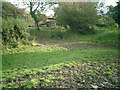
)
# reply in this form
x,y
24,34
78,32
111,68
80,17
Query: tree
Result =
x,y
40,16
33,13
34,7
105,21
10,10
79,16
14,25
114,12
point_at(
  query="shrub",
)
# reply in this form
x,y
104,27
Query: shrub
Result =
x,y
109,38
14,30
78,16
105,21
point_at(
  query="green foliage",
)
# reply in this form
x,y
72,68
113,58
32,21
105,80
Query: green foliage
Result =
x,y
114,12
79,16
45,36
105,21
50,78
34,82
10,10
28,48
72,48
40,16
75,72
14,31
35,14
41,59
14,26
108,37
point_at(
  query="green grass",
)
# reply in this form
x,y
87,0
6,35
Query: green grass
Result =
x,y
40,59
109,38
64,75
28,48
104,36
53,63
40,56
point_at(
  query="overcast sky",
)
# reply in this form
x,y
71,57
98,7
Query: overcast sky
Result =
x,y
107,3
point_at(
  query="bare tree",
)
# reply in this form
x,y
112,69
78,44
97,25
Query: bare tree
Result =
x,y
35,6
33,13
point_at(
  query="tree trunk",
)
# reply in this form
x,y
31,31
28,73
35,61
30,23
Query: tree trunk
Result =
x,y
32,12
37,26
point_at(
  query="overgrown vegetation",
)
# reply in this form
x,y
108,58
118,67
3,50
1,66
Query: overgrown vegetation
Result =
x,y
109,38
80,17
114,12
104,35
14,26
106,21
75,52
46,56
84,74
14,31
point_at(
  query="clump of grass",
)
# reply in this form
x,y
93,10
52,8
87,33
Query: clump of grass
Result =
x,y
108,38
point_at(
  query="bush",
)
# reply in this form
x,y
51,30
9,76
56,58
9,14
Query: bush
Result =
x,y
109,38
78,16
106,21
14,30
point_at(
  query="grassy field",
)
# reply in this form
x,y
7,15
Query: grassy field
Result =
x,y
45,58
52,49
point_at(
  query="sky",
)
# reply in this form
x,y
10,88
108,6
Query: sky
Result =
x,y
110,2
107,3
